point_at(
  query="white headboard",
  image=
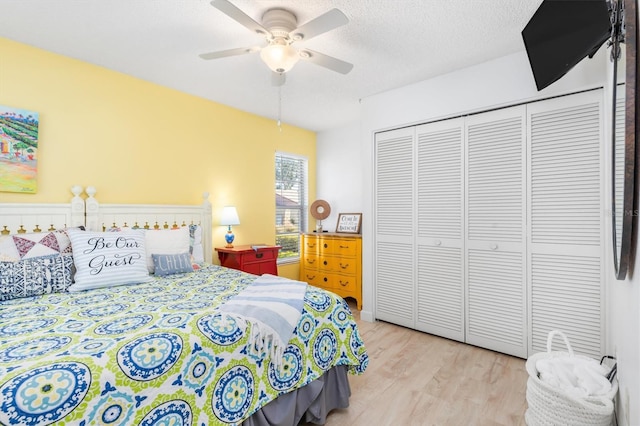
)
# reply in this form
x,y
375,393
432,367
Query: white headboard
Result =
x,y
18,218
30,217
101,216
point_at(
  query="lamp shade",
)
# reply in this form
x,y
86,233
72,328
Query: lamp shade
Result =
x,y
229,216
279,56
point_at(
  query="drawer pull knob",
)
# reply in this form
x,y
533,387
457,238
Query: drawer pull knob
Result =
x,y
344,283
325,279
344,266
311,278
311,261
325,263
344,247
326,245
438,242
259,255
494,246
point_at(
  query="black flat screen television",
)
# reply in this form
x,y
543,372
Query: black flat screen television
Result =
x,y
563,32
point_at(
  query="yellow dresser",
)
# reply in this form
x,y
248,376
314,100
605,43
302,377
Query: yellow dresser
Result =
x,y
333,262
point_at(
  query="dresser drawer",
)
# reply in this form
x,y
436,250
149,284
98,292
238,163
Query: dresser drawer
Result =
x,y
337,247
310,261
311,244
313,278
344,285
338,264
344,247
262,255
325,246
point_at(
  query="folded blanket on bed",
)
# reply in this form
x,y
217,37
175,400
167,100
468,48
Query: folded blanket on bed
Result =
x,y
273,306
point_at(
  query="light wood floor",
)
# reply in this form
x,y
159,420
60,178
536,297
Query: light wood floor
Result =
x,y
414,378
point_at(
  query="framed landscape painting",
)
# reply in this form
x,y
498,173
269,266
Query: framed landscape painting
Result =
x,y
18,150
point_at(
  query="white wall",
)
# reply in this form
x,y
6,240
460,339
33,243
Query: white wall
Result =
x,y
341,180
505,81
624,335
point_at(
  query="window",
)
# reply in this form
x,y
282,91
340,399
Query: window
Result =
x,y
291,204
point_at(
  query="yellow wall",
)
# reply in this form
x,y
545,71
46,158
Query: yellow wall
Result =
x,y
138,142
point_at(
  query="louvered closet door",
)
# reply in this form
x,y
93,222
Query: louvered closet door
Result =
x,y
440,269
566,210
394,227
495,257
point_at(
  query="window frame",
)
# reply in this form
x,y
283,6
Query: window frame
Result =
x,y
303,193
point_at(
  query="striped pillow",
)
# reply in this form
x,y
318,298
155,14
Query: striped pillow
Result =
x,y
105,259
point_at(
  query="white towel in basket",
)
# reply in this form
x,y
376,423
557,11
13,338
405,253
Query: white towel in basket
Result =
x,y
576,376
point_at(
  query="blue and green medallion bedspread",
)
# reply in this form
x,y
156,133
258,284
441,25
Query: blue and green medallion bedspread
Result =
x,y
158,353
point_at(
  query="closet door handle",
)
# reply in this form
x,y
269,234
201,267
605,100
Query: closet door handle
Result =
x,y
493,246
438,242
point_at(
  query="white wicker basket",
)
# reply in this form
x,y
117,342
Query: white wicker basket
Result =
x,y
550,406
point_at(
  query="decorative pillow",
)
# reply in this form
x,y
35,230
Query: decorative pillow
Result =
x,y
38,244
105,259
63,238
8,249
167,264
195,243
166,241
35,276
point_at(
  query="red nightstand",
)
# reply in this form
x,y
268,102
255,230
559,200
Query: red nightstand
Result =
x,y
262,260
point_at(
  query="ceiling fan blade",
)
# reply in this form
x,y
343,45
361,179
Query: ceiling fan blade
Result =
x,y
238,15
326,61
278,78
229,52
323,23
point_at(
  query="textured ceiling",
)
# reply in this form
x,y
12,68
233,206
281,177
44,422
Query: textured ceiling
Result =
x,y
391,43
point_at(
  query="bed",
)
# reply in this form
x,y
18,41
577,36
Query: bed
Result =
x,y
166,350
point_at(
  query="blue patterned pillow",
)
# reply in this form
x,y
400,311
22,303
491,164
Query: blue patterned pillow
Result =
x,y
35,276
167,264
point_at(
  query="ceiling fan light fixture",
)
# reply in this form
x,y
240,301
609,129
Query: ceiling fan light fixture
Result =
x,y
279,56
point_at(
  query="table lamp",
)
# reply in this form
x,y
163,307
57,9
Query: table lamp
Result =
x,y
229,217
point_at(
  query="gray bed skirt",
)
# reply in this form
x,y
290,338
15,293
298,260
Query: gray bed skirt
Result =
x,y
309,404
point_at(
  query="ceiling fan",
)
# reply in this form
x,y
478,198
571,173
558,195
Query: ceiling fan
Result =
x,y
280,29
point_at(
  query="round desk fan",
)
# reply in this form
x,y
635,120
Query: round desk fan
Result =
x,y
320,210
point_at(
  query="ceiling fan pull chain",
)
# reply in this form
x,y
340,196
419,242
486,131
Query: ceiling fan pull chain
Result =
x,y
279,107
